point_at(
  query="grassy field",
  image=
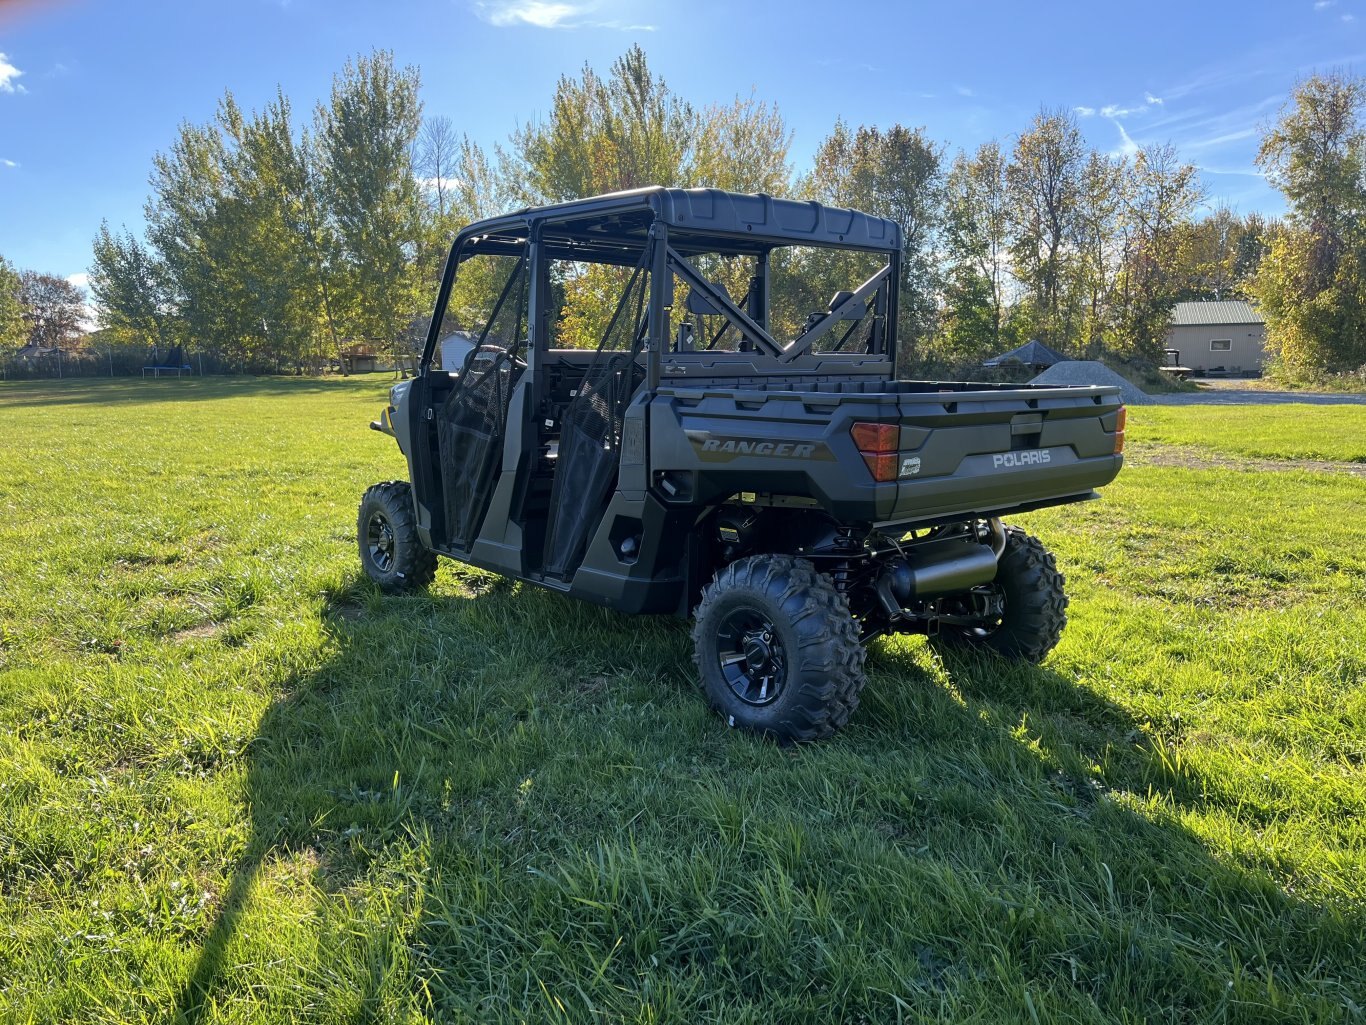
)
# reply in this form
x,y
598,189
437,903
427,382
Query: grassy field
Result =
x,y
1336,433
237,784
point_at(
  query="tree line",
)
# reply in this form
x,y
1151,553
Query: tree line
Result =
x,y
272,244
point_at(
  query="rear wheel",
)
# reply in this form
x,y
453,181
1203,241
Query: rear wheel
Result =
x,y
777,649
1023,611
386,532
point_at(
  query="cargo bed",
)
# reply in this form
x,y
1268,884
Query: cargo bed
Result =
x,y
958,450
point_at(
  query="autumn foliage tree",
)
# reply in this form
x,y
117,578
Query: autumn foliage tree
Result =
x,y
1312,281
270,244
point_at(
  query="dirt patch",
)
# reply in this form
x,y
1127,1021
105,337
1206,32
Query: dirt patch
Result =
x,y
195,633
1241,393
1189,458
347,613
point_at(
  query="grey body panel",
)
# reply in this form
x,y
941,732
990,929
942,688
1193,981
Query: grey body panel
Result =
x,y
768,425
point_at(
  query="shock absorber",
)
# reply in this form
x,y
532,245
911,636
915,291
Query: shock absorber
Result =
x,y
840,571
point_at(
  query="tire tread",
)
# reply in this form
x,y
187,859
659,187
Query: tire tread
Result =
x,y
828,674
414,563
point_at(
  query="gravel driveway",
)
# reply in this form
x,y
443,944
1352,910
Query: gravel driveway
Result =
x,y
1227,393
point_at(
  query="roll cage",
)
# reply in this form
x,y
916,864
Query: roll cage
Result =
x,y
664,231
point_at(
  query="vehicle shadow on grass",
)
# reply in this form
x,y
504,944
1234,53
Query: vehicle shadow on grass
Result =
x,y
406,747
360,755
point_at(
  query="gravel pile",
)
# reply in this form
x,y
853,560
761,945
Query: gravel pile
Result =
x,y
1081,372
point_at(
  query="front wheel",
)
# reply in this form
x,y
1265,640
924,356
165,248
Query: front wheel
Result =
x,y
777,649
386,532
1024,609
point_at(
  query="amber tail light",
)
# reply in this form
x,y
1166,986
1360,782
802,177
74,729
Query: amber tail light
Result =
x,y
878,444
1120,419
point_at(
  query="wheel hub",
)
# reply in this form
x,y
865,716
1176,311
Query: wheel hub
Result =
x,y
757,651
379,540
750,655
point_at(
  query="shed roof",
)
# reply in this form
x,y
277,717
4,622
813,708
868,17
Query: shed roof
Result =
x,y
1214,313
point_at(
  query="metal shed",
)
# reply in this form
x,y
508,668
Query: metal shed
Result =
x,y
1227,337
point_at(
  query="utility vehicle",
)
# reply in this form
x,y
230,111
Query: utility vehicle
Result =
x,y
596,413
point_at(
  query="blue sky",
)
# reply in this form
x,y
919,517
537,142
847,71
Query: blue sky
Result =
x,y
91,89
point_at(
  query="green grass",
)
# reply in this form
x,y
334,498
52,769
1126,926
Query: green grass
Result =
x,y
1289,431
237,784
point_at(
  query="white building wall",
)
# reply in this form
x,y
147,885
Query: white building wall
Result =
x,y
1245,355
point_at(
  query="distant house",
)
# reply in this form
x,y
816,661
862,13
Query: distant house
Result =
x,y
1217,337
32,352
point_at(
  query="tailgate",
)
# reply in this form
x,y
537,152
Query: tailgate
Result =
x,y
984,452
939,455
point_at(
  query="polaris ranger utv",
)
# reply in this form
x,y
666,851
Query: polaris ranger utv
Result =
x,y
596,414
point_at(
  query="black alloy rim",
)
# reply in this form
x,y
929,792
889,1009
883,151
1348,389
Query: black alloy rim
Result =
x,y
379,541
750,655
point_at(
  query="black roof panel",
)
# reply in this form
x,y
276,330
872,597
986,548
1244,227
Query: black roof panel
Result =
x,y
751,222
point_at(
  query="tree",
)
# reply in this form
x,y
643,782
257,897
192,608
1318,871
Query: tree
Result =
x,y
184,228
228,223
265,188
976,242
604,135
1315,154
322,247
1312,281
743,147
1223,250
366,136
131,287
897,174
438,150
54,309
970,329
1044,180
13,329
1101,202
1163,196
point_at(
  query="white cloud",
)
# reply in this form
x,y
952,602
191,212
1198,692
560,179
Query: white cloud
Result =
x,y
963,90
432,184
1320,5
505,13
1113,111
1349,17
8,163
1127,147
1215,141
549,14
8,74
81,280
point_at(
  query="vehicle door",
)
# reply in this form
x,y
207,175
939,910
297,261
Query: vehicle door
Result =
x,y
481,352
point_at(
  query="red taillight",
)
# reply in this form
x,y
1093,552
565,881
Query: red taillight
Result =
x,y
878,444
882,465
1120,419
876,437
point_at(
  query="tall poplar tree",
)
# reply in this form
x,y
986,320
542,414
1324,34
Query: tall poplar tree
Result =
x,y
366,135
1312,281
